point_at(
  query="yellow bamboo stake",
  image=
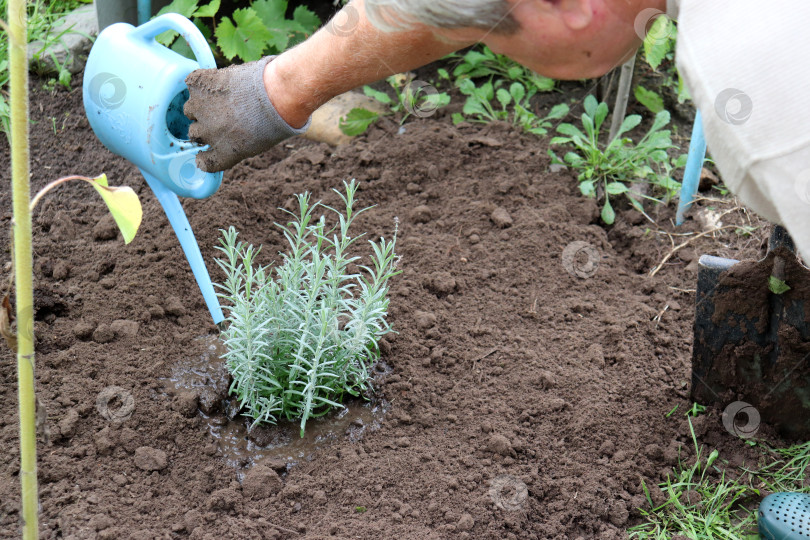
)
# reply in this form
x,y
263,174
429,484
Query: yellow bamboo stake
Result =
x,y
18,64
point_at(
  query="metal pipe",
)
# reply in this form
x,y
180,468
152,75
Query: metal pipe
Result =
x,y
144,11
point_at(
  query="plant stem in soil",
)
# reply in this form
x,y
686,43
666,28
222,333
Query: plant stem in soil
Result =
x,y
18,40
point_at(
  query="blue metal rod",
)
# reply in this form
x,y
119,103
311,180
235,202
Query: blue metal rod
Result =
x,y
694,164
144,11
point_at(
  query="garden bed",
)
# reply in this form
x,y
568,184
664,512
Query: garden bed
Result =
x,y
507,370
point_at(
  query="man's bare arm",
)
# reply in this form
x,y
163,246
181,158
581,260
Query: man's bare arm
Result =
x,y
330,63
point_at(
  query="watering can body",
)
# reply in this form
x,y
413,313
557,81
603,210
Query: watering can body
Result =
x,y
134,90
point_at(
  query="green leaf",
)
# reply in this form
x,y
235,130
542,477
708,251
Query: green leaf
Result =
x,y
629,123
457,118
570,130
186,8
661,120
123,204
616,188
514,72
600,115
246,39
382,97
588,188
608,215
637,205
572,158
438,100
517,91
167,38
357,121
590,105
683,92
473,106
777,286
504,98
474,58
558,111
466,86
658,42
208,10
462,69
270,11
659,139
588,126
487,91
307,19
182,48
652,100
543,84
443,73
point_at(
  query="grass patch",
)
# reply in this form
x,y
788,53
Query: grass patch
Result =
x,y
42,18
705,500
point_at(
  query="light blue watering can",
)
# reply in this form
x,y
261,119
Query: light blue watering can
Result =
x,y
134,90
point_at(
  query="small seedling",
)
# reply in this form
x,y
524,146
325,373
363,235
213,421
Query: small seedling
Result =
x,y
696,410
777,286
303,336
409,98
605,170
514,106
477,64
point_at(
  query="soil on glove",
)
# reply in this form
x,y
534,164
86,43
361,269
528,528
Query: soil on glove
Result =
x,y
519,398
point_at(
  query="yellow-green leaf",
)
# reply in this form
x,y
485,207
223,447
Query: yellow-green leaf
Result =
x,y
124,206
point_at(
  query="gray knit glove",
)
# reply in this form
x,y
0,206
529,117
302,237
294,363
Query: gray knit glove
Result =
x,y
232,114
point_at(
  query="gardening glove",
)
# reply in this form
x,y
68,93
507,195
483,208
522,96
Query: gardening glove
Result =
x,y
232,113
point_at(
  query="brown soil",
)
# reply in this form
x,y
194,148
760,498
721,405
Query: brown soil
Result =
x,y
522,401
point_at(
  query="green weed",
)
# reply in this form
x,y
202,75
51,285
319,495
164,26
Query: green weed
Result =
x,y
410,98
512,106
42,18
696,504
606,170
702,500
504,95
481,64
659,50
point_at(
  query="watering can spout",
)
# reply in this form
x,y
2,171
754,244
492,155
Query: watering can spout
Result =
x,y
135,108
179,222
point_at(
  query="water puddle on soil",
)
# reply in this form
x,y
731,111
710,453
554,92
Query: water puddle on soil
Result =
x,y
240,448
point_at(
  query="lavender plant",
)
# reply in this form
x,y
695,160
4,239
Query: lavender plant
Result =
x,y
299,341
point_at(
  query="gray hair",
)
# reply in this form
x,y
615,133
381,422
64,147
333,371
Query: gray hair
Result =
x,y
391,15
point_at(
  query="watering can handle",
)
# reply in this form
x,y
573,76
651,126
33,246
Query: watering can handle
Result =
x,y
189,32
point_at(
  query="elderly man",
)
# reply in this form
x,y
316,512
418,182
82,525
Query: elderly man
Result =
x,y
744,64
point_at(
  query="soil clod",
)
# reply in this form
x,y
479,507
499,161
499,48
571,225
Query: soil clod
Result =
x,y
150,459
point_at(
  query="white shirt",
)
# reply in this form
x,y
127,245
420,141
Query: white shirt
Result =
x,y
746,64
